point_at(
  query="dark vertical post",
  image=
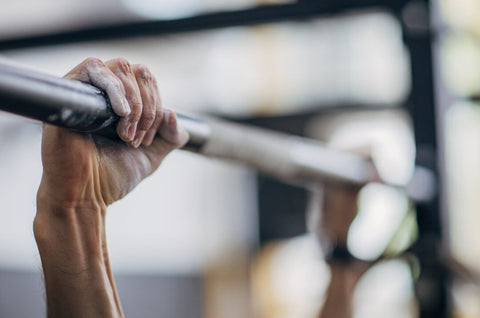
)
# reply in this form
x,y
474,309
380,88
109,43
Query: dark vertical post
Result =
x,y
432,285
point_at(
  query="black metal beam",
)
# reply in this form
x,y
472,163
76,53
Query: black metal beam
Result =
x,y
434,280
253,16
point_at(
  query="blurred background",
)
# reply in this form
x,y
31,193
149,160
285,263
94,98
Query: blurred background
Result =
x,y
399,79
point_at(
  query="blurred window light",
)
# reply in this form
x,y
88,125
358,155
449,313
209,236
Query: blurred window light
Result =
x,y
462,133
290,67
460,57
385,136
460,62
21,173
165,9
386,290
462,14
465,299
30,17
381,212
290,279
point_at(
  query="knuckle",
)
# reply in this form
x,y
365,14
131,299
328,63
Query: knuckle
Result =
x,y
93,61
144,73
122,65
157,118
154,82
136,107
149,115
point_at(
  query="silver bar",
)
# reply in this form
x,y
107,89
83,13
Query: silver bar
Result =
x,y
287,157
85,108
68,103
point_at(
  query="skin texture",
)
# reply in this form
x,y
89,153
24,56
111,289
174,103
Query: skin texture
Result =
x,y
84,174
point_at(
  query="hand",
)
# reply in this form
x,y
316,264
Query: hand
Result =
x,y
83,174
83,169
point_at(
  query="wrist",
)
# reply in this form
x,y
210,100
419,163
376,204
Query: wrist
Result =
x,y
67,197
76,229
53,220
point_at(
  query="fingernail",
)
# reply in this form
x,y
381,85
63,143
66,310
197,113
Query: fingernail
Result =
x,y
172,131
125,107
132,128
166,116
147,141
180,132
183,135
139,138
125,131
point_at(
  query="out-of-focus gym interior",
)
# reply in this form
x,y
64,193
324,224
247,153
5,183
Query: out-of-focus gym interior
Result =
x,y
396,80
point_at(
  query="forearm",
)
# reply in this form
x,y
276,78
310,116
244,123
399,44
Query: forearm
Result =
x,y
82,174
72,246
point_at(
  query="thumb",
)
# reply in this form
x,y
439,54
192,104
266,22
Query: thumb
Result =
x,y
170,136
171,132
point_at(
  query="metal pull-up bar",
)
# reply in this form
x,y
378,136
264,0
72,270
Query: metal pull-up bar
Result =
x,y
84,108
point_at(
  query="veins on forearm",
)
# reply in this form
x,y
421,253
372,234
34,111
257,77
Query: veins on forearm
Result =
x,y
75,262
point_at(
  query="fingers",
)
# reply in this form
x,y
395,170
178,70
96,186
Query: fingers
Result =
x,y
94,71
127,126
152,108
171,131
133,93
171,136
